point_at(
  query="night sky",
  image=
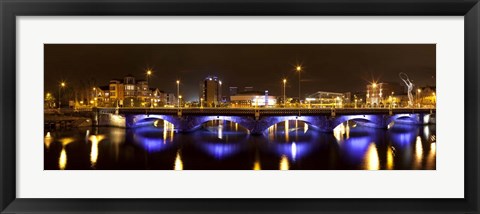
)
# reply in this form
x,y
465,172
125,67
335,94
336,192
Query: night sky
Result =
x,y
337,68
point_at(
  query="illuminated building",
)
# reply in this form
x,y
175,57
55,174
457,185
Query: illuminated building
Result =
x,y
252,99
379,94
116,94
211,91
129,83
325,99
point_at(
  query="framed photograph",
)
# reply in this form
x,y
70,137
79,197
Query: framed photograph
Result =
x,y
257,106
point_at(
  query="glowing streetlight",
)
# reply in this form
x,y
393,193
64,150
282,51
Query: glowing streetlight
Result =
x,y
178,92
374,85
149,72
284,96
179,100
62,85
201,102
298,68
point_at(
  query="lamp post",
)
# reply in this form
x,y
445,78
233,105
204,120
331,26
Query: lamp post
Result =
x,y
179,100
148,73
62,84
201,102
284,96
178,93
299,70
220,92
95,96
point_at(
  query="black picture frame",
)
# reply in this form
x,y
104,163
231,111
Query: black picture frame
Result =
x,y
10,9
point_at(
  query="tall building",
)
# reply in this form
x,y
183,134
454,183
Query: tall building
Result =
x,y
117,92
211,91
143,92
129,83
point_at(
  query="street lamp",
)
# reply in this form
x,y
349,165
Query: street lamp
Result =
x,y
201,102
62,84
284,96
95,95
220,91
178,93
149,72
179,100
299,70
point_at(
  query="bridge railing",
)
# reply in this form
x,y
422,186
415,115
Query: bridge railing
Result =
x,y
263,111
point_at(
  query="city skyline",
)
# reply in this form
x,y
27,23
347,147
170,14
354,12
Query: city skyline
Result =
x,y
240,65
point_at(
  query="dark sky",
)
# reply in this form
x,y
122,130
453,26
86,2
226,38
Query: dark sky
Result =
x,y
338,68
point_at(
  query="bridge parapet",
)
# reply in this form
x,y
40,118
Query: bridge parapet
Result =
x,y
266,111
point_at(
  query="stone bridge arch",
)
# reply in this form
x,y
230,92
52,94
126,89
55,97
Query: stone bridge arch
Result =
x,y
133,121
374,121
187,123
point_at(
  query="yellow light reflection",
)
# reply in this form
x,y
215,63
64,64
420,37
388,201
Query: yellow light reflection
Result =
x,y
66,141
94,149
62,161
271,133
347,131
372,160
431,155
418,152
172,128
48,140
256,165
305,128
284,165
390,163
338,132
178,165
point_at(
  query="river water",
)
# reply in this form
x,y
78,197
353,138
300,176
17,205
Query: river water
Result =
x,y
224,145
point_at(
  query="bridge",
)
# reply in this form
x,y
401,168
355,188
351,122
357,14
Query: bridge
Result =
x,y
257,120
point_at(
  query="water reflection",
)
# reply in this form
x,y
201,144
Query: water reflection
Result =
x,y
94,148
62,161
284,165
223,144
178,165
372,161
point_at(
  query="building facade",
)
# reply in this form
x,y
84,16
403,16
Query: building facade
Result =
x,y
252,99
381,94
211,91
326,99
